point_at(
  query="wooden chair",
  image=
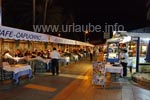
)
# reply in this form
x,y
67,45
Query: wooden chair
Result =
x,y
38,66
6,75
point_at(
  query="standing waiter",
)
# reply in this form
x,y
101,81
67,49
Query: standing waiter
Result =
x,y
55,65
124,61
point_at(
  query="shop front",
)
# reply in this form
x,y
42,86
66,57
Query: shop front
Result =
x,y
137,46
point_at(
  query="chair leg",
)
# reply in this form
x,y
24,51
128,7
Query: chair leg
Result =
x,y
34,70
4,74
1,74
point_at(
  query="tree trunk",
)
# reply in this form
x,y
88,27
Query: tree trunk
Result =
x,y
45,10
34,5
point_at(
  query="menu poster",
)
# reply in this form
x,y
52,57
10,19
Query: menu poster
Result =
x,y
98,77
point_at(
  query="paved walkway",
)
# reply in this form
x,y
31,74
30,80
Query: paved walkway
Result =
x,y
74,83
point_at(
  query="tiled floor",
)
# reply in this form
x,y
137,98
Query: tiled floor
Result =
x,y
73,83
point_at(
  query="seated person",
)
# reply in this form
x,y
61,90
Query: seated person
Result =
x,y
7,57
18,53
38,57
33,55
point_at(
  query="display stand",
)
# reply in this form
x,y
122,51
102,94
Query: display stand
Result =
x,y
98,77
112,52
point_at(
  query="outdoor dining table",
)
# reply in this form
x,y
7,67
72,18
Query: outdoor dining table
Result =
x,y
19,70
114,69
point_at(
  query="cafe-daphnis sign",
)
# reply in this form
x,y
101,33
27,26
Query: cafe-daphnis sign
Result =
x,y
17,34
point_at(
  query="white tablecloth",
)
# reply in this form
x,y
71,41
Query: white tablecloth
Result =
x,y
114,69
17,68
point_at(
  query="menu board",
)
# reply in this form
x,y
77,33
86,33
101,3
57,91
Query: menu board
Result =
x,y
98,77
112,52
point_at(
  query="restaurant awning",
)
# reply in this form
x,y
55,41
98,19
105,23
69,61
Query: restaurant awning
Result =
x,y
18,34
60,40
84,44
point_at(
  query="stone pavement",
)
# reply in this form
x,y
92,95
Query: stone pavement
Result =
x,y
73,83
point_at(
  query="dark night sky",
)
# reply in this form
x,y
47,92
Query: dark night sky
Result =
x,y
130,13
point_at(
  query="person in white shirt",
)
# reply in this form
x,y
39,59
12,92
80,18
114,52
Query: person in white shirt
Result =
x,y
124,61
7,57
55,56
38,57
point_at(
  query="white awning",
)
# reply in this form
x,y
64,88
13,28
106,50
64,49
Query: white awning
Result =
x,y
60,40
141,35
84,44
18,34
127,36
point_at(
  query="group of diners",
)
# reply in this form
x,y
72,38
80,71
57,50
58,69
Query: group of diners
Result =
x,y
20,57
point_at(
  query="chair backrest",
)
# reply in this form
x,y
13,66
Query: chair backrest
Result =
x,y
39,66
9,60
38,62
23,61
7,72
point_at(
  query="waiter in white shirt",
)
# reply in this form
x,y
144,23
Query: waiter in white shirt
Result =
x,y
124,61
55,56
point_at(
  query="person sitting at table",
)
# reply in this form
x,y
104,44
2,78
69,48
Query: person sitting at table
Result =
x,y
45,54
38,57
7,57
42,61
27,53
26,58
18,53
33,54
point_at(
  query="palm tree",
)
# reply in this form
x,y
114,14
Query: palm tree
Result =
x,y
148,9
34,6
40,9
45,10
0,12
